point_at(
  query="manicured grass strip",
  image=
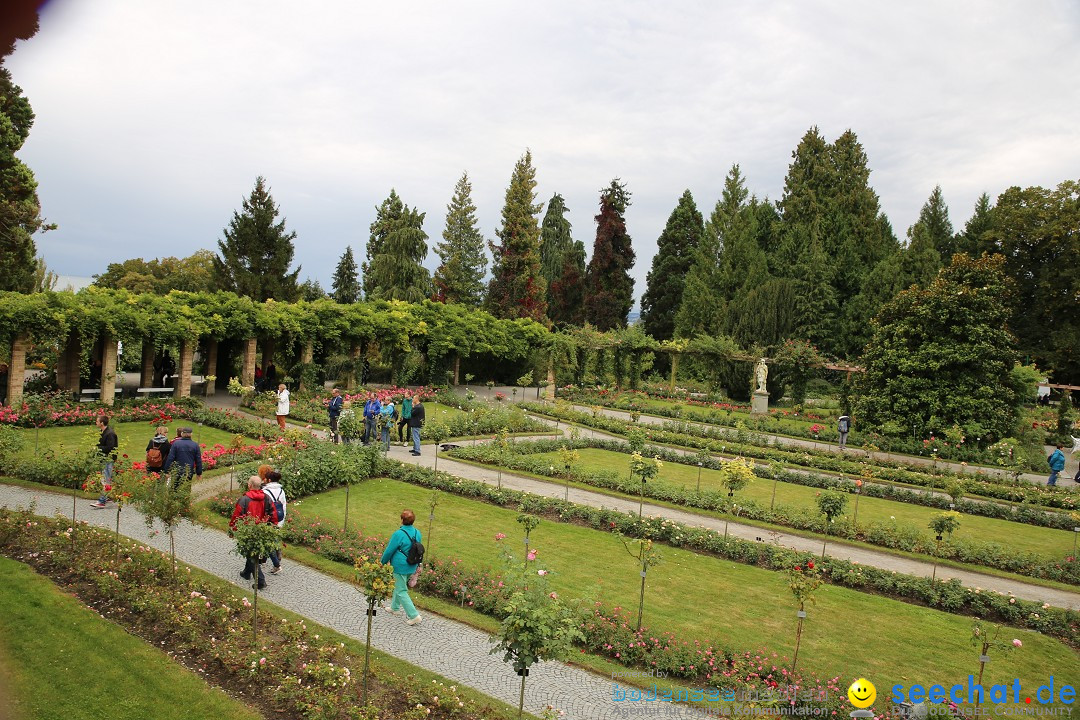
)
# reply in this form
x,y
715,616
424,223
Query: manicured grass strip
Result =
x,y
132,436
717,601
68,663
1048,542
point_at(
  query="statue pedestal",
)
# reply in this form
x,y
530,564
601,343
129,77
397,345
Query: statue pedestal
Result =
x,y
759,403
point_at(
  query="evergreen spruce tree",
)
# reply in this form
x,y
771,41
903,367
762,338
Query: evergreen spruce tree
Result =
x,y
974,239
311,290
20,210
517,285
346,282
920,260
256,253
460,277
815,298
675,248
934,217
567,292
608,286
387,216
555,240
396,271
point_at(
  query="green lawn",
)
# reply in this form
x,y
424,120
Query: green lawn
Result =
x,y
717,601
64,662
132,436
1043,541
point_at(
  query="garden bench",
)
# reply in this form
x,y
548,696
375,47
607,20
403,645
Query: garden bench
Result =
x,y
152,390
88,395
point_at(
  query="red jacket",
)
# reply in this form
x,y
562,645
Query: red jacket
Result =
x,y
254,503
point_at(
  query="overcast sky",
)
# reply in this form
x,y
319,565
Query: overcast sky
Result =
x,y
154,118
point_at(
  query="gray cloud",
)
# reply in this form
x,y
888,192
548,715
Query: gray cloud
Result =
x,y
155,118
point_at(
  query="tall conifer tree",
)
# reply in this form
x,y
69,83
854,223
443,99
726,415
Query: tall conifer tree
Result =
x,y
396,271
517,284
974,239
665,282
256,253
608,286
387,215
555,240
346,280
567,292
460,277
934,217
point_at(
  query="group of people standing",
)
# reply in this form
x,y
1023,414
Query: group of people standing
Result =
x,y
380,418
180,457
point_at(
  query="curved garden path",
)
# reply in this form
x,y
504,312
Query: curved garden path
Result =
x,y
451,649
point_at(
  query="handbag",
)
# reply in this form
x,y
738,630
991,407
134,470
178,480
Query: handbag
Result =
x,y
415,577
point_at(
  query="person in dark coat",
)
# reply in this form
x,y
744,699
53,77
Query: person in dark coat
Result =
x,y
416,421
107,444
161,442
185,457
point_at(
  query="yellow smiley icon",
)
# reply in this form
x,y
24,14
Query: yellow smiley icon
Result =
x,y
862,693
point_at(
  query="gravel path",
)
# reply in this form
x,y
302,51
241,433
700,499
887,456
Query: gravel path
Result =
x,y
449,648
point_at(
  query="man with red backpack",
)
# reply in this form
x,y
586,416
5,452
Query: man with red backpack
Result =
x,y
256,504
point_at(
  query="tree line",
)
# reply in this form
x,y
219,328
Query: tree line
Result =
x,y
816,265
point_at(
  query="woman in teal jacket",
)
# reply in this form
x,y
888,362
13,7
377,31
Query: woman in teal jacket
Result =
x,y
1057,464
396,553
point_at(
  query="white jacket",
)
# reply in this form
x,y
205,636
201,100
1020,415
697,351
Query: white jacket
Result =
x,y
274,491
283,402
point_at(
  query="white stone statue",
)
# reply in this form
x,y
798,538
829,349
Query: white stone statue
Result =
x,y
761,372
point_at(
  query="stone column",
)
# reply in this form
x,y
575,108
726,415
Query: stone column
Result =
x,y
211,365
307,353
146,375
17,370
183,377
350,377
674,370
108,368
247,371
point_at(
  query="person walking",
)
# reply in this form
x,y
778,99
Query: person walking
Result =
x,y
275,495
158,449
843,426
403,420
107,444
255,504
416,421
333,409
184,458
372,408
282,405
397,554
387,415
1056,461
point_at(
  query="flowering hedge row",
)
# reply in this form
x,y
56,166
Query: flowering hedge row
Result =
x,y
949,595
288,670
901,537
787,422
742,442
1016,513
609,632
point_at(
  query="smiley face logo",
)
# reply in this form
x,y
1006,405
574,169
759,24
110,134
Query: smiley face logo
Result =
x,y
862,693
